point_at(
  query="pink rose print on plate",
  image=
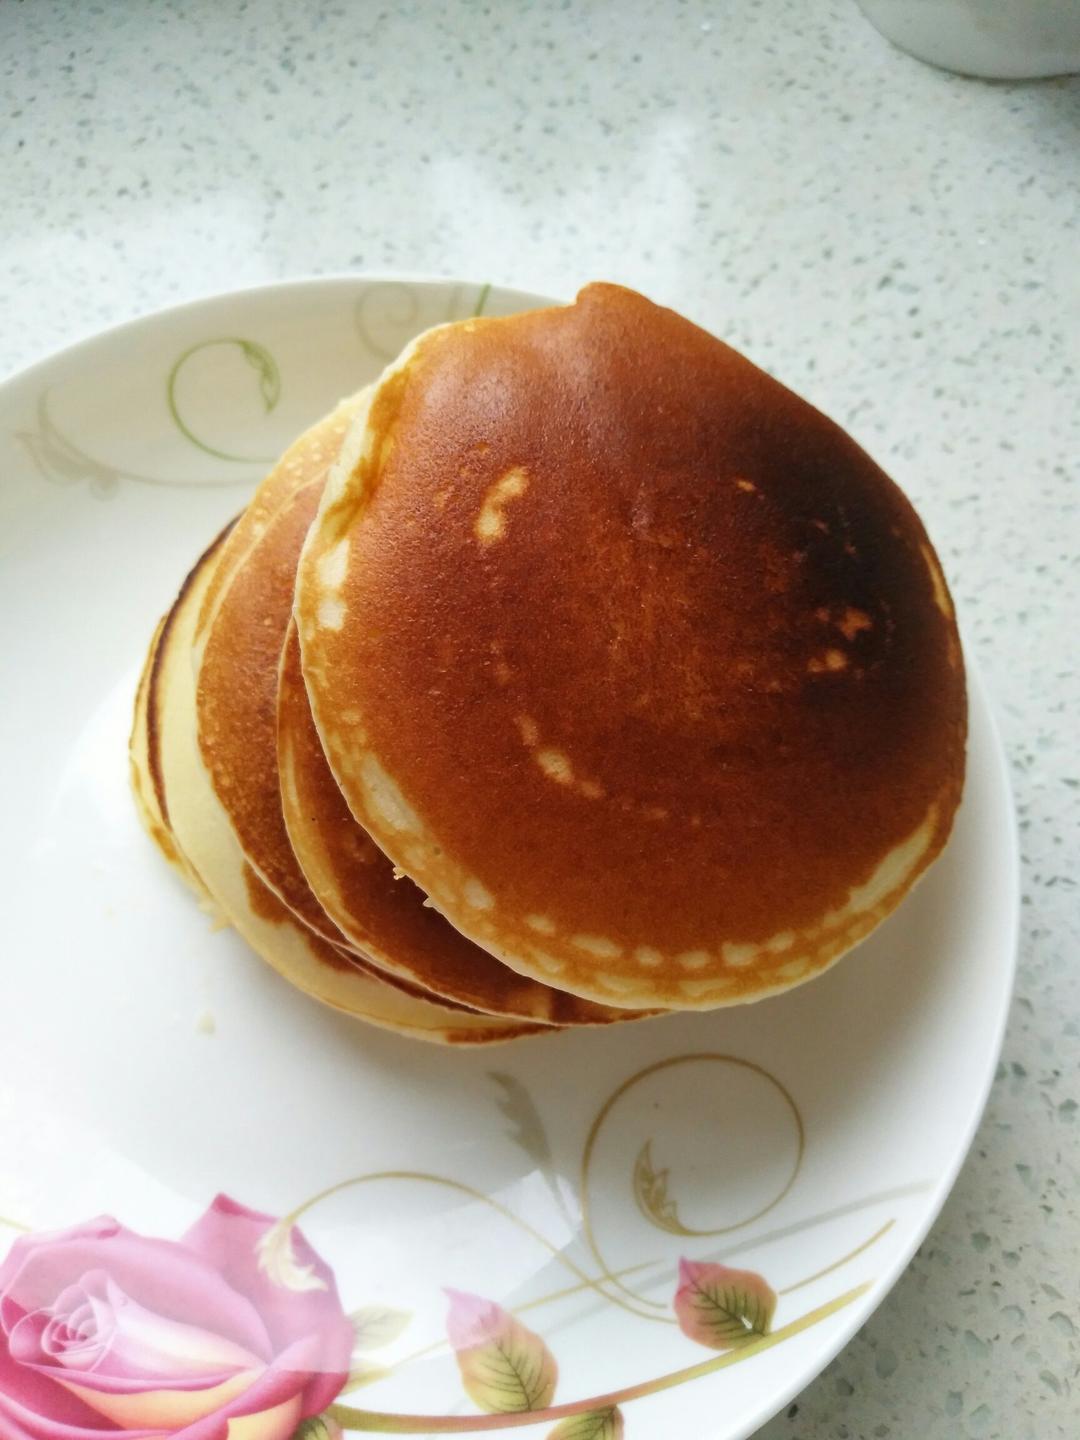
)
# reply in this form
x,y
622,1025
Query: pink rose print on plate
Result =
x,y
106,1333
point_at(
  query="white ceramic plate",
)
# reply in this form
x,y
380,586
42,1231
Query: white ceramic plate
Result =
x,y
807,1142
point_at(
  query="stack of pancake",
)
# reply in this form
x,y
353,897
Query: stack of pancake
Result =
x,y
573,672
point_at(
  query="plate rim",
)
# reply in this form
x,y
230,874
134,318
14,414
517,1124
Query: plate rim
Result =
x,y
209,298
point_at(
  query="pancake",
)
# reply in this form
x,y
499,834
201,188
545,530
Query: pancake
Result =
x,y
635,662
388,918
201,833
236,701
142,782
307,458
378,917
144,756
156,827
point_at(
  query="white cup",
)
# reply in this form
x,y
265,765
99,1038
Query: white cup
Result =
x,y
997,39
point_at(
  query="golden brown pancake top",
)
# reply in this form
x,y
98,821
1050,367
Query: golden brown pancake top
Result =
x,y
633,659
386,917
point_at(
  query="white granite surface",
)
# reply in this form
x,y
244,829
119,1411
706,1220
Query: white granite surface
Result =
x,y
901,245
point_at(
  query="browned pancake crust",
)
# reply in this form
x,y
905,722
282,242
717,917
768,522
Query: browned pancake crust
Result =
x,y
386,917
262,901
306,459
651,650
267,905
236,701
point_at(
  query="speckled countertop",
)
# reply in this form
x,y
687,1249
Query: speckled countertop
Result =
x,y
901,245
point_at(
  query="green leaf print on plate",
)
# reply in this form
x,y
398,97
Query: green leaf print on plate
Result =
x,y
376,1326
597,1425
505,1367
720,1307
